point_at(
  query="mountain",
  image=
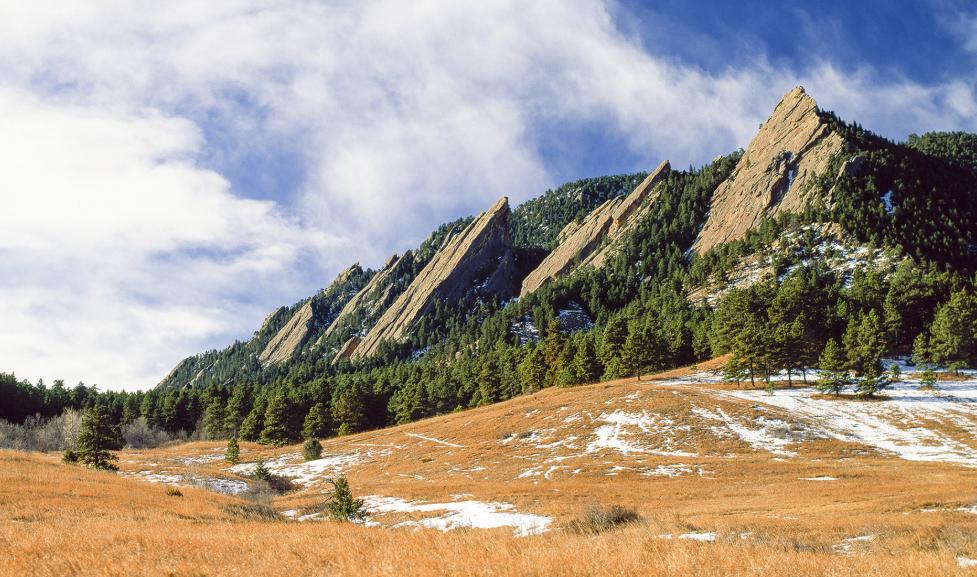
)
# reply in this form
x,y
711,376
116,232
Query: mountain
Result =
x,y
479,262
776,173
819,231
589,242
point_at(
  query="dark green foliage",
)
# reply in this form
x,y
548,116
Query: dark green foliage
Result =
x,y
834,369
312,449
316,424
97,438
343,506
233,452
276,429
959,148
276,483
536,222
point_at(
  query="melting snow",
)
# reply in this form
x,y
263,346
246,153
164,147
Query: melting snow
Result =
x,y
895,425
306,473
473,514
226,486
770,435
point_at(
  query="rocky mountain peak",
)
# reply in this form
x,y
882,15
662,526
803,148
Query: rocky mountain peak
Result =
x,y
792,147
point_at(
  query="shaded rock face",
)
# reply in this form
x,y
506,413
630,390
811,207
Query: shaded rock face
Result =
x,y
591,242
793,147
299,329
478,262
347,350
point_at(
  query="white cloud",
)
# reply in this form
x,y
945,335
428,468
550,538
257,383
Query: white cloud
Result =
x,y
127,252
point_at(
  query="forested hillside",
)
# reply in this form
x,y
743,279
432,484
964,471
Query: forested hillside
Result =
x,y
880,262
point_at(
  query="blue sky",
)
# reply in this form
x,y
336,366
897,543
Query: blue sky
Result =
x,y
171,173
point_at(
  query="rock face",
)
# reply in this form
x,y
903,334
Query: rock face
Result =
x,y
373,298
591,242
792,148
298,331
479,261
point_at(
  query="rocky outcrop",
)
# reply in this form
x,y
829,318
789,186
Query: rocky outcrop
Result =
x,y
794,146
300,328
346,351
376,296
479,261
591,242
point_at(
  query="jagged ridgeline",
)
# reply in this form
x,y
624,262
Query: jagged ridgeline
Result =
x,y
623,273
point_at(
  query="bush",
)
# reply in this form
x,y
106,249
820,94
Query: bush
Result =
x,y
38,434
173,492
312,450
276,483
69,457
140,435
601,519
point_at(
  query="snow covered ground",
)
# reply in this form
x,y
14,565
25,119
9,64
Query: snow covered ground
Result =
x,y
459,514
307,473
910,422
218,485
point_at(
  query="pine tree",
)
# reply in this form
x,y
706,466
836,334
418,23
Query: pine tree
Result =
x,y
953,334
489,382
343,506
586,367
554,348
315,425
348,411
275,430
834,369
615,334
532,371
214,419
233,452
96,439
238,407
634,354
254,423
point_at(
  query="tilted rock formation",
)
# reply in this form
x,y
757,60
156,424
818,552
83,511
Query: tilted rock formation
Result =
x,y
346,351
375,296
774,175
589,243
299,329
479,261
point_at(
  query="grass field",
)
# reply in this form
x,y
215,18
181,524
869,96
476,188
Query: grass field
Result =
x,y
726,481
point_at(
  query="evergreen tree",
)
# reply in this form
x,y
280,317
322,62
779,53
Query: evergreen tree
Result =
x,y
97,439
214,419
532,371
343,506
348,411
233,452
615,334
586,366
953,334
254,423
489,382
315,425
238,407
276,430
834,369
554,349
634,354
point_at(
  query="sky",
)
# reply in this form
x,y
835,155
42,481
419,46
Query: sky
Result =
x,y
171,172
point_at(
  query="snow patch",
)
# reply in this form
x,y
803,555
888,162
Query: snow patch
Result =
x,y
459,514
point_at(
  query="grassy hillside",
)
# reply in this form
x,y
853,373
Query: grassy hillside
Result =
x,y
726,481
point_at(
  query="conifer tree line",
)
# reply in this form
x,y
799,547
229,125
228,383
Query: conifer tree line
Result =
x,y
842,321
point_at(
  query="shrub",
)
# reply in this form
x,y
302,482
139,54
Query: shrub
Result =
x,y
69,456
276,483
173,492
252,511
312,450
599,519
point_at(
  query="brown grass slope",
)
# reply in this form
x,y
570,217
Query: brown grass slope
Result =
x,y
544,455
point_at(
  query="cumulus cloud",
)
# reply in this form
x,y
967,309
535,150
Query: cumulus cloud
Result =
x,y
128,127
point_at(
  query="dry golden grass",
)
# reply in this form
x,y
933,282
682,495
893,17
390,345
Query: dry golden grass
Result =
x,y
62,520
